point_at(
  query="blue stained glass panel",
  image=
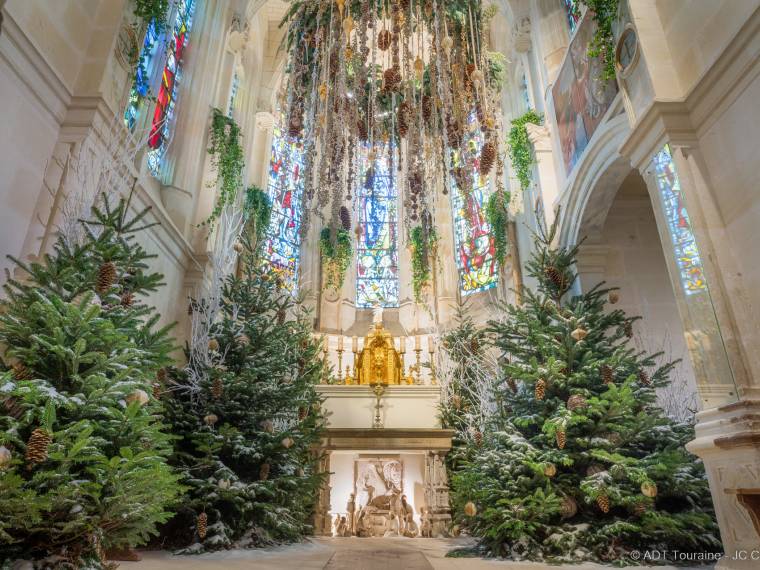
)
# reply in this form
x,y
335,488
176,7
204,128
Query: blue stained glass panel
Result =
x,y
141,82
377,282
685,248
475,248
573,11
285,189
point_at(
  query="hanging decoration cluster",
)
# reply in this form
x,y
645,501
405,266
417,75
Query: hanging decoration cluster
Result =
x,y
394,80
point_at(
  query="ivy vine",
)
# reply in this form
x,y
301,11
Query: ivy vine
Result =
x,y
422,244
257,213
520,148
602,45
497,216
152,11
227,157
336,256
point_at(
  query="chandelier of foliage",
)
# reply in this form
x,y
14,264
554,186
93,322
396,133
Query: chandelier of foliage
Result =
x,y
394,80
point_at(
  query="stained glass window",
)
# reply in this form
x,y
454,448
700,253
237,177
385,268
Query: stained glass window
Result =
x,y
233,94
377,280
141,84
285,189
166,99
475,248
573,13
682,238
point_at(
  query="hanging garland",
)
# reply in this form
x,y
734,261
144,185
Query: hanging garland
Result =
x,y
336,256
423,248
152,11
602,45
520,148
497,217
227,157
257,212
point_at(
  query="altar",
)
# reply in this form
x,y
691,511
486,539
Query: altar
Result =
x,y
384,446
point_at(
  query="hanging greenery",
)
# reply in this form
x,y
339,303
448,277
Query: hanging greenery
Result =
x,y
520,149
227,157
336,256
422,244
602,45
152,11
498,216
257,212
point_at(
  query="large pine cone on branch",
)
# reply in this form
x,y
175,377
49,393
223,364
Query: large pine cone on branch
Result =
x,y
402,119
555,277
384,39
561,439
644,378
487,158
106,276
201,525
21,372
12,407
37,446
217,388
540,389
427,108
603,502
607,373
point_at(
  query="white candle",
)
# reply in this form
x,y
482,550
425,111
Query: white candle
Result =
x,y
340,342
402,344
354,344
431,346
417,342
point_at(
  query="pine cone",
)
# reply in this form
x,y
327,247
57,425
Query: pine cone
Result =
x,y
281,317
37,446
576,402
607,373
478,438
640,509
302,413
384,39
456,401
106,276
561,439
161,374
127,299
402,119
512,384
157,390
345,218
21,372
201,525
427,108
474,345
568,508
217,388
540,389
264,472
487,158
644,378
628,329
12,406
555,277
603,502
362,130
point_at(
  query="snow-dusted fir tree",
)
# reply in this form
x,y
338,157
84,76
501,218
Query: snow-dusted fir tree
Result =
x,y
82,447
580,463
247,427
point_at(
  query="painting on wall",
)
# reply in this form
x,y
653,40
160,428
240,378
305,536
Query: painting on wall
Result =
x,y
581,97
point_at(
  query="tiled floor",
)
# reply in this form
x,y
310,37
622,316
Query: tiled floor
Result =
x,y
343,554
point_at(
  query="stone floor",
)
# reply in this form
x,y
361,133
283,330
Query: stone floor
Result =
x,y
343,554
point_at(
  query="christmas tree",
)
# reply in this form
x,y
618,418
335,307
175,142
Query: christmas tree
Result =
x,y
579,462
82,447
247,425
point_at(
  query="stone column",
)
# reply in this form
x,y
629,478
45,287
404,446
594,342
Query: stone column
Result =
x,y
727,431
436,486
322,520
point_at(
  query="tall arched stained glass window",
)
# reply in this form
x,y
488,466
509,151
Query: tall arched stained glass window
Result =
x,y
145,70
166,100
377,254
285,189
573,10
475,249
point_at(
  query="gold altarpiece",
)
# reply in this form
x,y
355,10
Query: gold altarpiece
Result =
x,y
379,362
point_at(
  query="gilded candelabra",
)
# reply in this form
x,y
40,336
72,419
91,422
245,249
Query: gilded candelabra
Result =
x,y
418,366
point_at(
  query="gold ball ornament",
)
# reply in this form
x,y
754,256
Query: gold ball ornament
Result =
x,y
470,509
5,456
614,297
213,345
287,442
210,419
579,334
595,468
419,68
348,25
243,340
649,489
238,247
550,470
447,43
477,75
139,396
268,426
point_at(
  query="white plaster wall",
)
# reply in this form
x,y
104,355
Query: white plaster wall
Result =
x,y
342,479
635,262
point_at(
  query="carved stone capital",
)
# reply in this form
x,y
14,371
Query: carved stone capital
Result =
x,y
522,36
264,120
